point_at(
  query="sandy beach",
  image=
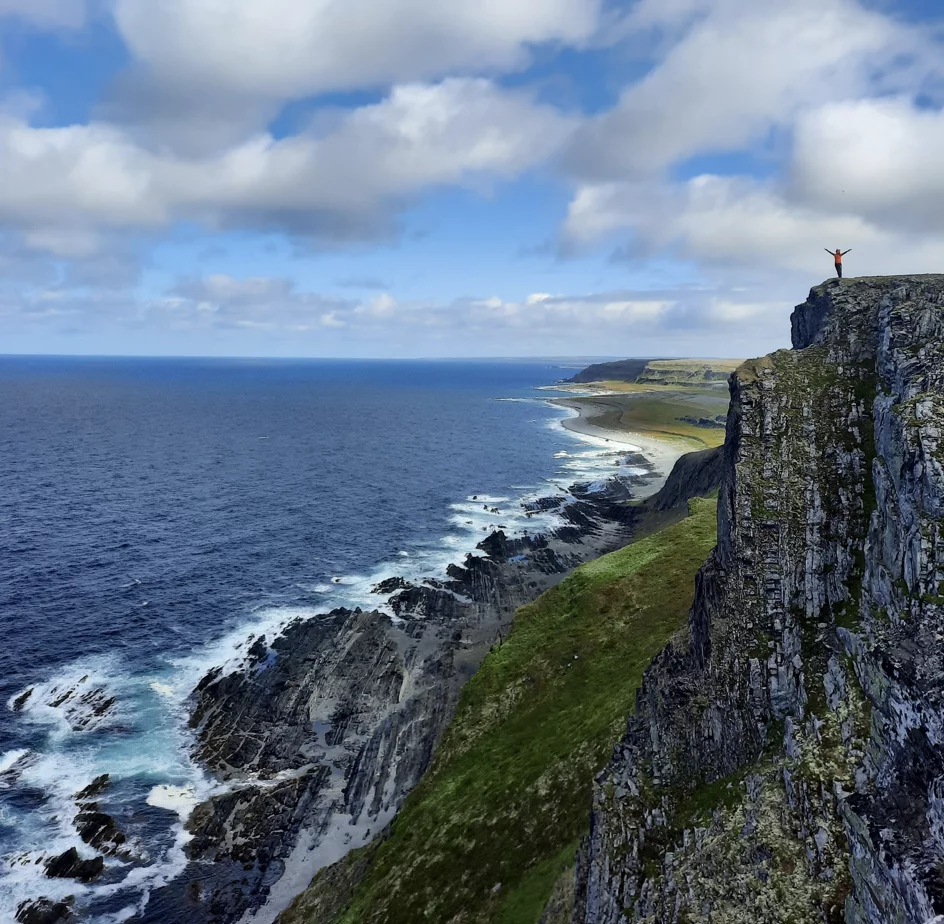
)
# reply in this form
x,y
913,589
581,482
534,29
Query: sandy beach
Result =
x,y
598,418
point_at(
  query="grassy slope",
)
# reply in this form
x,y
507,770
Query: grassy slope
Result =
x,y
682,371
656,410
508,796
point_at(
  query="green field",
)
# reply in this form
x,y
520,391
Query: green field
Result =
x,y
487,833
658,411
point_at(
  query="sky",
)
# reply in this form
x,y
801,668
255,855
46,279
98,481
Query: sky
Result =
x,y
408,178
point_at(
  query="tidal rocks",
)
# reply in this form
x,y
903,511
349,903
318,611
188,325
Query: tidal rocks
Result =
x,y
43,911
389,586
70,865
83,703
322,732
94,789
785,759
100,831
22,699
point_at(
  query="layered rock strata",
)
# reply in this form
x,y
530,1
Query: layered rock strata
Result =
x,y
785,760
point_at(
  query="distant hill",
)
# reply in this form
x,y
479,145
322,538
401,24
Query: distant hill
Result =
x,y
622,370
659,371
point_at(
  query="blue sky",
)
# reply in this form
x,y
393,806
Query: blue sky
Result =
x,y
483,178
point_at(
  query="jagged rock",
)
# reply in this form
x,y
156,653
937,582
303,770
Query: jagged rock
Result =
x,y
100,831
694,474
83,704
43,911
69,865
785,760
325,742
389,586
22,699
94,789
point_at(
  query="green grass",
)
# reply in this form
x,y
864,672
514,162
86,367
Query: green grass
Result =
x,y
660,415
688,371
486,834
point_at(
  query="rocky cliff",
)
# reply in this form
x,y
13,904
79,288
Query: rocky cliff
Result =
x,y
785,761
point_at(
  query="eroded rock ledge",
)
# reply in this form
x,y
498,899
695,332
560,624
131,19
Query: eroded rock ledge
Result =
x,y
785,762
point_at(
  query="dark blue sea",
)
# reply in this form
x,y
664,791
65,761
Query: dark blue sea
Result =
x,y
155,514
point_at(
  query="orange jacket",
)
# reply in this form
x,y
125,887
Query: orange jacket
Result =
x,y
838,257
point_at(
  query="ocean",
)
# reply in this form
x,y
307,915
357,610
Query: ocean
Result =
x,y
155,514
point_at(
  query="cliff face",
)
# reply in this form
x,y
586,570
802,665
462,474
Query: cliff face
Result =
x,y
785,760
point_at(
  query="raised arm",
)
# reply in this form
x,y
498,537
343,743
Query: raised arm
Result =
x,y
846,251
827,250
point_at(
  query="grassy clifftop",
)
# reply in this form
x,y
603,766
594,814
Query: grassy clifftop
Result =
x,y
486,834
644,372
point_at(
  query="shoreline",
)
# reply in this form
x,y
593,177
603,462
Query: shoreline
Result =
x,y
383,682
660,453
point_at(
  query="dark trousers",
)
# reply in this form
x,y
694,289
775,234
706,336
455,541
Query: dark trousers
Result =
x,y
839,270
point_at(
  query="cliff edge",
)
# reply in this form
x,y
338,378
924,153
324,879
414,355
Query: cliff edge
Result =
x,y
784,762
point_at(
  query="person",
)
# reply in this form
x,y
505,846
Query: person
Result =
x,y
839,254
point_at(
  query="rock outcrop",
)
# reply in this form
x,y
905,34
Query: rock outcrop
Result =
x,y
785,760
321,733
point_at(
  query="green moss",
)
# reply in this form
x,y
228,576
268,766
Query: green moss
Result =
x,y
509,792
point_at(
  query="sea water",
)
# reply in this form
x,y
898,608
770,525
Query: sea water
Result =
x,y
156,515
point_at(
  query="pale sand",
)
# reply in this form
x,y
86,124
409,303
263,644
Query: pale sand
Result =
x,y
662,454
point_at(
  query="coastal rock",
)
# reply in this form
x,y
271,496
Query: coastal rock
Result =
x,y
94,789
389,586
83,704
22,699
784,762
70,865
100,831
320,734
44,911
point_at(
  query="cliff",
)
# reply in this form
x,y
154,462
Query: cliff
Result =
x,y
620,370
784,760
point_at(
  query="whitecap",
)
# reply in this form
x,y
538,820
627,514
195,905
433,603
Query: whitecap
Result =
x,y
10,758
180,799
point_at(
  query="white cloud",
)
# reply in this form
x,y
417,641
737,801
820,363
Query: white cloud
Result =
x,y
854,166
292,48
738,70
737,224
878,158
61,185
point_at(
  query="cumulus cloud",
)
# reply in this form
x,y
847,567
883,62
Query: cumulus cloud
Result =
x,y
293,48
206,75
64,185
745,225
274,315
737,70
878,157
846,92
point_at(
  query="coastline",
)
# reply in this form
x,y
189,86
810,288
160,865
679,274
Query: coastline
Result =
x,y
384,683
597,417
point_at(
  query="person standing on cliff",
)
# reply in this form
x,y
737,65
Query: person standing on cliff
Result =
x,y
838,255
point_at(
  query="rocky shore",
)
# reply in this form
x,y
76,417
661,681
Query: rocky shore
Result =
x,y
321,733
